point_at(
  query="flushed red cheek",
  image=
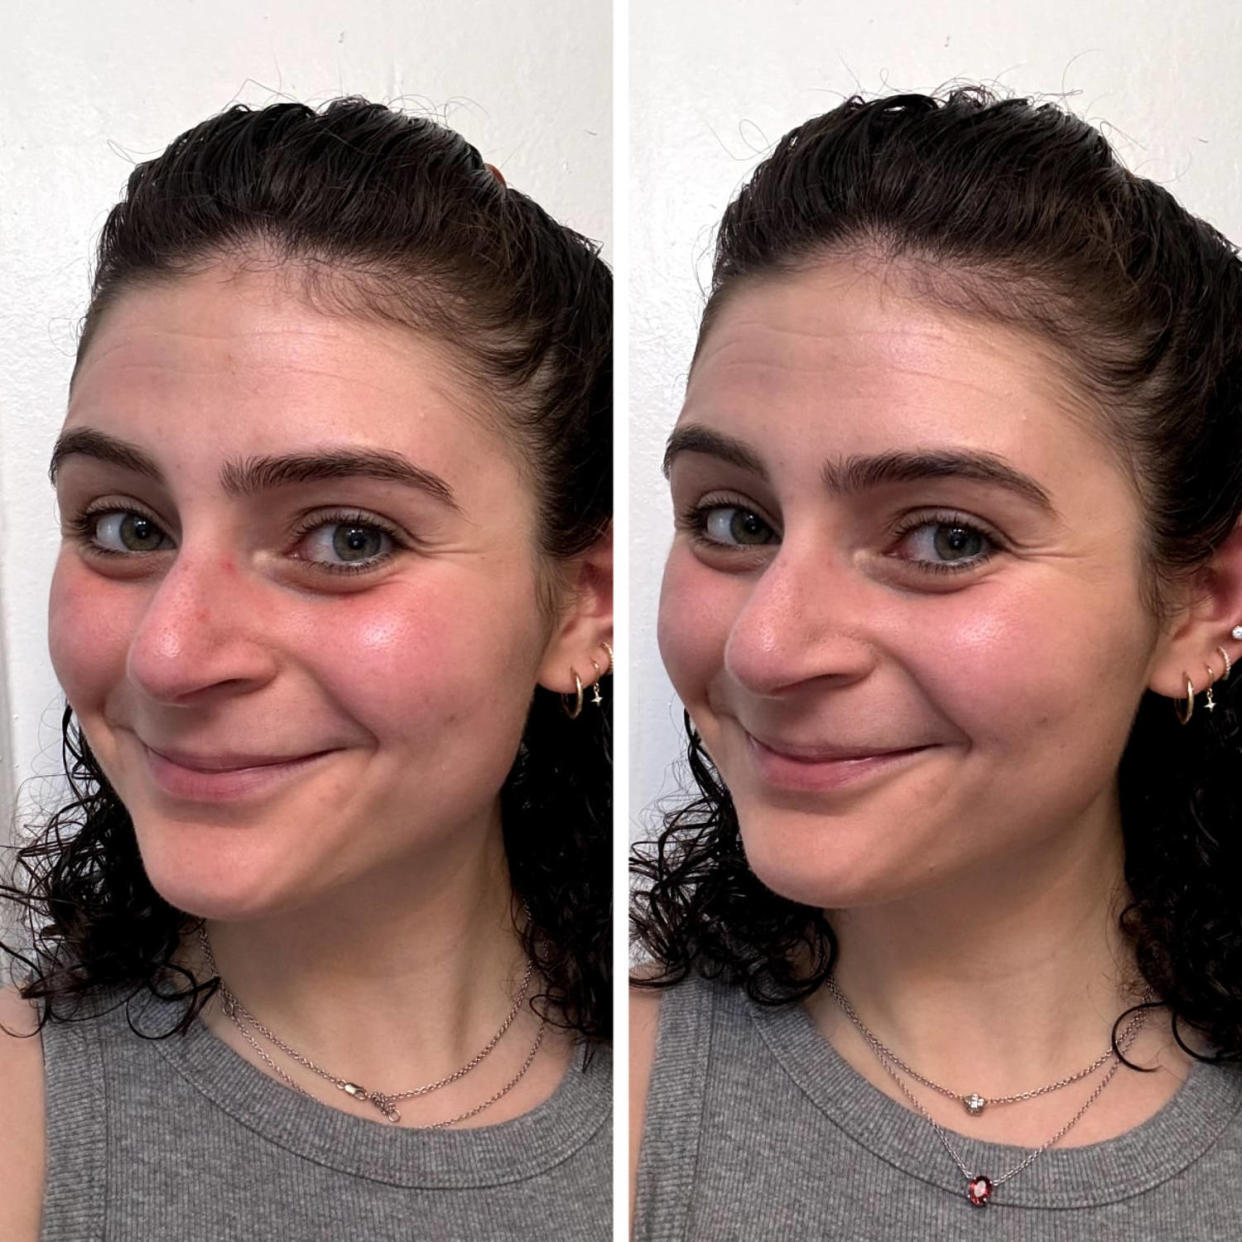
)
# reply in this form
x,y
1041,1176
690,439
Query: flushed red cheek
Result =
x,y
89,623
692,627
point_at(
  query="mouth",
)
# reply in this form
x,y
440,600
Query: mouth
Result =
x,y
821,768
223,776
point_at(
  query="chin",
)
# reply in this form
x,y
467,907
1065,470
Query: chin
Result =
x,y
829,864
200,871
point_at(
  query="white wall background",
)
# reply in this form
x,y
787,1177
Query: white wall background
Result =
x,y
89,89
713,83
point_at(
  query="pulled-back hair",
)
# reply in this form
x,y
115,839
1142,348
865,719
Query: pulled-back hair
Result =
x,y
1016,212
374,214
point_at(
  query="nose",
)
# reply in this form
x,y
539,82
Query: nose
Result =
x,y
202,631
804,619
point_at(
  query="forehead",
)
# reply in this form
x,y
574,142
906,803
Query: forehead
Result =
x,y
843,358
239,361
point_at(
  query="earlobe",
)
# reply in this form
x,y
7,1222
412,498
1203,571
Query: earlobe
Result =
x,y
579,653
1205,642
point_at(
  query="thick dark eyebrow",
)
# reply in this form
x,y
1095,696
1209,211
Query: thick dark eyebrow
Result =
x,y
855,474
693,439
82,441
258,474
861,473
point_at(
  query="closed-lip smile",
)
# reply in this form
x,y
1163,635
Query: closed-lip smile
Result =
x,y
223,776
821,766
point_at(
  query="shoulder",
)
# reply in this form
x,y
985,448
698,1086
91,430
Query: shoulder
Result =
x,y
21,1106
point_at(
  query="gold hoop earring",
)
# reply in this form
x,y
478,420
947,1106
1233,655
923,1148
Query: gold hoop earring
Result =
x,y
1224,655
596,697
576,698
608,649
1184,717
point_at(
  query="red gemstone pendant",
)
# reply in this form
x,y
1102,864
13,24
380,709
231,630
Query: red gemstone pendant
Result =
x,y
979,1190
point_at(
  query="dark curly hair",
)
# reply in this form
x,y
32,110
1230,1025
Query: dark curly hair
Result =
x,y
394,217
1018,211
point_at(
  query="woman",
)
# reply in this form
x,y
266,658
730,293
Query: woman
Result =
x,y
320,943
952,605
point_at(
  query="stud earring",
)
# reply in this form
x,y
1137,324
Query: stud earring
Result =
x,y
576,699
1236,632
1184,716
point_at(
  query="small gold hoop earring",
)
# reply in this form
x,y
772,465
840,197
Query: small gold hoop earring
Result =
x,y
1224,655
576,699
1185,716
608,649
596,697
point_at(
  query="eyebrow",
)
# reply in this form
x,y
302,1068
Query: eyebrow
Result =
x,y
259,474
851,475
695,439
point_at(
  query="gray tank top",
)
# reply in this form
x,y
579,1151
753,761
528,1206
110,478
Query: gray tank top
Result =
x,y
756,1129
181,1139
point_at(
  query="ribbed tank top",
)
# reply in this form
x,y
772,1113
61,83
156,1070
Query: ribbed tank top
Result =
x,y
756,1129
184,1140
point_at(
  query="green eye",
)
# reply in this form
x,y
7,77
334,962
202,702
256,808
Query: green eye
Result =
x,y
958,543
733,525
126,532
346,543
353,543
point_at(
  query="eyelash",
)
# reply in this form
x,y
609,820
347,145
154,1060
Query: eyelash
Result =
x,y
82,527
958,521
694,520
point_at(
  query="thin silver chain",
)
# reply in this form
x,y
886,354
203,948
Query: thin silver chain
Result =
x,y
889,1063
384,1102
887,1054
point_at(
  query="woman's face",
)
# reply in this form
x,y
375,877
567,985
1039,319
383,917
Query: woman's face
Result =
x,y
903,604
296,606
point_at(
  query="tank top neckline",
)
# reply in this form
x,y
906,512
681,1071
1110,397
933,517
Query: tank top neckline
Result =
x,y
510,1151
1181,1131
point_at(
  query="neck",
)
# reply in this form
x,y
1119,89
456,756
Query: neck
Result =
x,y
999,982
399,975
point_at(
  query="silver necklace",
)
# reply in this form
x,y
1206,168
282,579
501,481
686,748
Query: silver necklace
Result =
x,y
979,1186
385,1103
972,1101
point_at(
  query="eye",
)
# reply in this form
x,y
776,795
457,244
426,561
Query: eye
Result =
x,y
345,544
947,543
121,532
732,526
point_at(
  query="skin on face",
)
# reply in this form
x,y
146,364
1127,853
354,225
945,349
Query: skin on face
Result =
x,y
384,632
903,605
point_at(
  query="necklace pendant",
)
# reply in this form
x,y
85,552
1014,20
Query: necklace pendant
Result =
x,y
974,1103
979,1190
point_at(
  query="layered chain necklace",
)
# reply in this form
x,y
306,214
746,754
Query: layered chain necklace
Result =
x,y
384,1102
979,1186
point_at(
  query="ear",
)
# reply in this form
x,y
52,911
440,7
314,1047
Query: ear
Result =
x,y
1194,638
585,623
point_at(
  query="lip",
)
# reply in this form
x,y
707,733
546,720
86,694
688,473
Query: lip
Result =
x,y
223,777
821,768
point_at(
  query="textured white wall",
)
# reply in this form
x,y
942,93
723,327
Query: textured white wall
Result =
x,y
715,82
89,89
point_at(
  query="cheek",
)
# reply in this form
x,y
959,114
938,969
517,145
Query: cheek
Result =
x,y
411,665
1033,670
89,624
694,620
